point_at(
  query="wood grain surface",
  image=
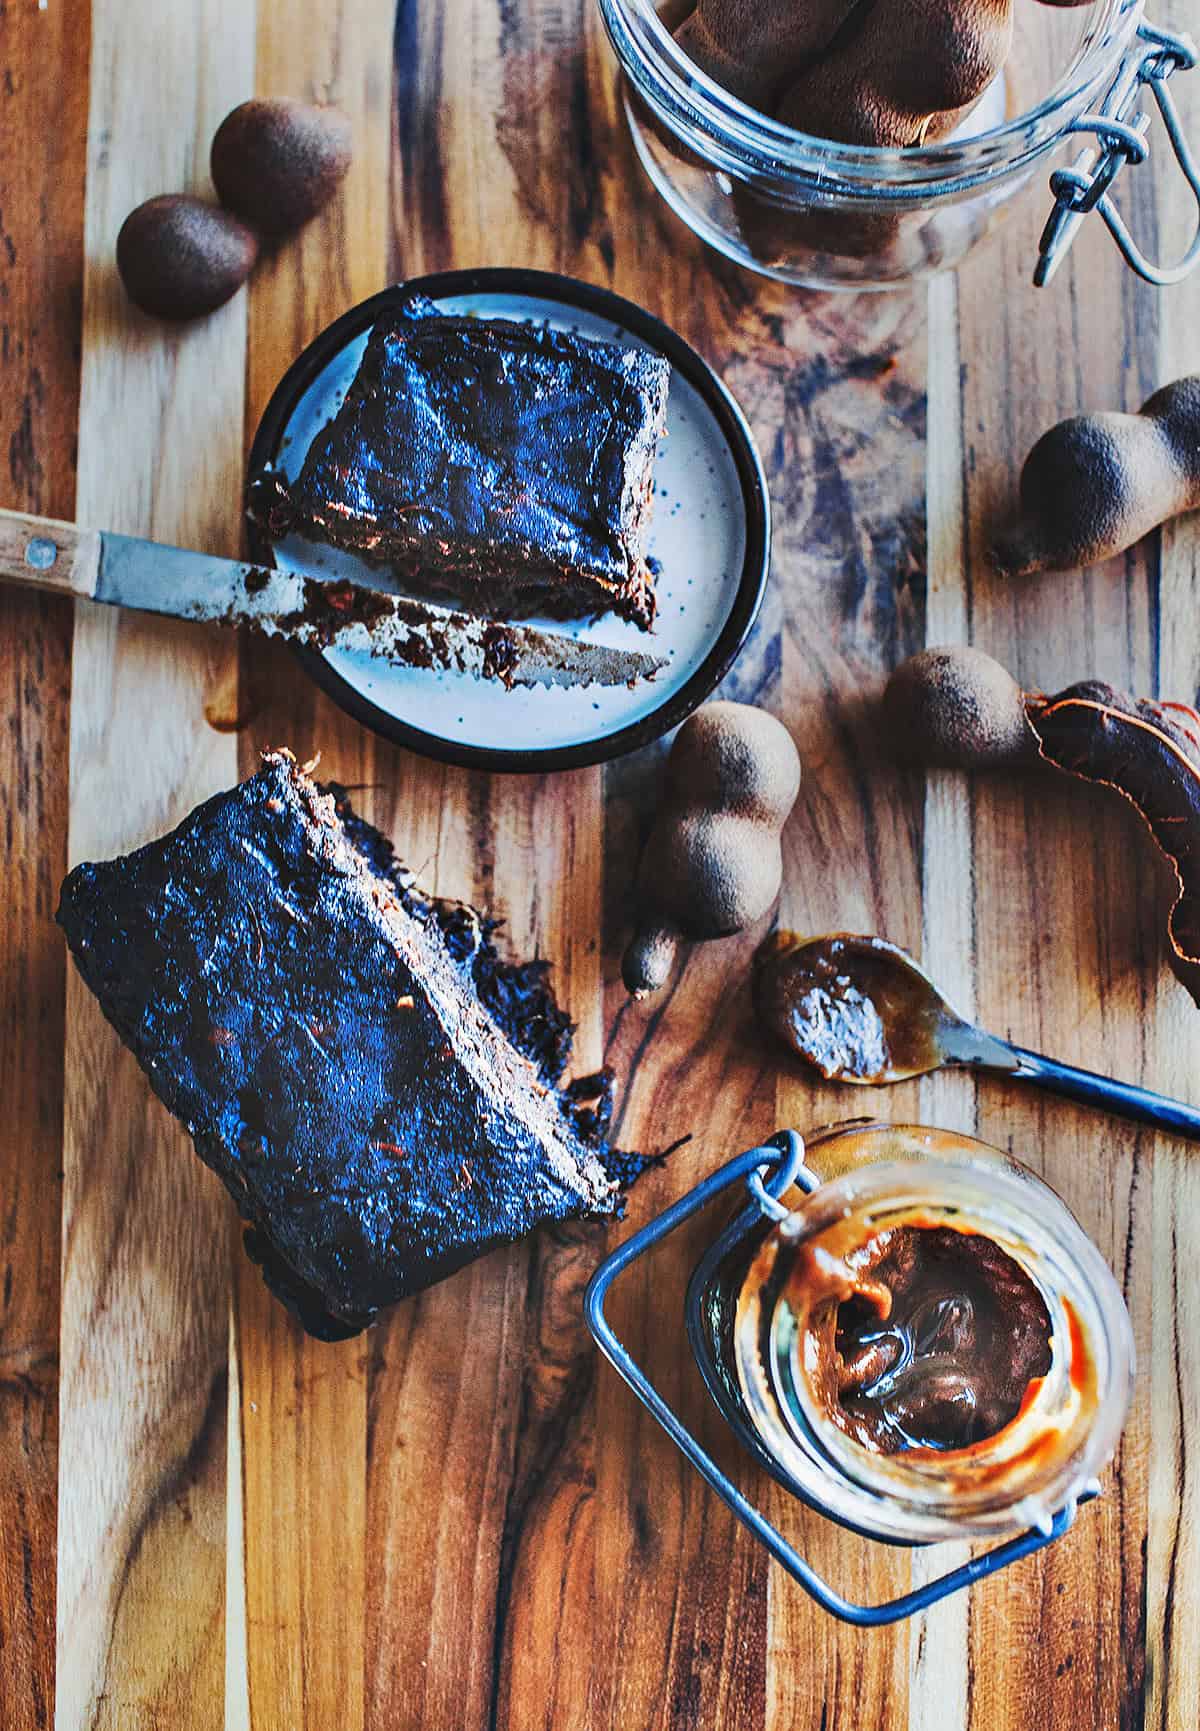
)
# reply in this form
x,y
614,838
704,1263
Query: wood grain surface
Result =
x,y
43,69
463,1521
146,1237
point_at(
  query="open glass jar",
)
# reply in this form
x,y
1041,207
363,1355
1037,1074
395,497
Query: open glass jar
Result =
x,y
1049,1334
930,1184
810,211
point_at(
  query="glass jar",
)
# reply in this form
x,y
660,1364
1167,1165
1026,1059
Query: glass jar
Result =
x,y
826,215
1046,1458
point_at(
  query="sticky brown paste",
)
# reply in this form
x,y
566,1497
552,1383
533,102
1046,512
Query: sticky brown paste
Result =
x,y
920,1337
850,1005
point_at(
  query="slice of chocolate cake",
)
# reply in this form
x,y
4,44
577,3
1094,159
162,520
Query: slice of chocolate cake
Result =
x,y
374,1085
504,465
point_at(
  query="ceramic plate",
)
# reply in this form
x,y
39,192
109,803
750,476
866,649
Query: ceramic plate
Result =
x,y
710,533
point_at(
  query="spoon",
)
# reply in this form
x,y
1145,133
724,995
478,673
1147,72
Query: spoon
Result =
x,y
861,1010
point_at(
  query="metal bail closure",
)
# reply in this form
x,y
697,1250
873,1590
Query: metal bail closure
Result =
x,y
1121,131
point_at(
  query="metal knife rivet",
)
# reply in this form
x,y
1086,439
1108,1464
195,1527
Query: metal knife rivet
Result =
x,y
40,553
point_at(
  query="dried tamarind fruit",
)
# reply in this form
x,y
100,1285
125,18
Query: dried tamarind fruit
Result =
x,y
713,862
1095,484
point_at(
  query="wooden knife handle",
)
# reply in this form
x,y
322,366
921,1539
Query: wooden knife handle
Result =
x,y
47,555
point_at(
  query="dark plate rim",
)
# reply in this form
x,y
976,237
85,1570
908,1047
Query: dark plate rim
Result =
x,y
567,291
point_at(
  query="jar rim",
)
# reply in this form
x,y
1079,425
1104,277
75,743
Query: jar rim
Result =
x,y
748,141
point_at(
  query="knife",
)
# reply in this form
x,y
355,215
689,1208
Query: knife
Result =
x,y
319,614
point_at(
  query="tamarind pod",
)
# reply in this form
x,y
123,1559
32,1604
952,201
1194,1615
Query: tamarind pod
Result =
x,y
752,48
893,73
712,863
1094,484
900,74
1153,760
649,957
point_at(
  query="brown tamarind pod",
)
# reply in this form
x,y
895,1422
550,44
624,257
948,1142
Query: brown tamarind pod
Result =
x,y
958,708
752,47
909,74
894,73
277,162
713,862
180,258
1095,484
649,957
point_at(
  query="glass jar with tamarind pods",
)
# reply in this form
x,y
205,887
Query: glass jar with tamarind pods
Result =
x,y
758,148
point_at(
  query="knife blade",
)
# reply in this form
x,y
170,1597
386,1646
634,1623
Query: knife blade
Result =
x,y
318,614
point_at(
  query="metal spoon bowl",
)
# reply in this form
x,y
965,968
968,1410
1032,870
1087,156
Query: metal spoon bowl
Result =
x,y
861,1010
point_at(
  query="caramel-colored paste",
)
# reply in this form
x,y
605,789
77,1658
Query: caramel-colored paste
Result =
x,y
923,1337
854,1007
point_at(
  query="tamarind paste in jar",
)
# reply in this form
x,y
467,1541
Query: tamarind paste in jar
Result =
x,y
922,1336
925,1345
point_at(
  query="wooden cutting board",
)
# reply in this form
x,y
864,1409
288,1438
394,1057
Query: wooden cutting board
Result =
x,y
462,1521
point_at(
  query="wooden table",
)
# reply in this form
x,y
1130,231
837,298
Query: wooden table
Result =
x,y
462,1521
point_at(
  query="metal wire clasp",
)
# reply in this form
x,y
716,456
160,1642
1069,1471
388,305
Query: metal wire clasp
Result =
x,y
1121,130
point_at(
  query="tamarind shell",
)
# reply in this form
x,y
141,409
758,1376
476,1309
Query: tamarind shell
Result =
x,y
752,47
713,863
894,73
180,258
713,874
277,162
1153,760
649,957
1093,485
907,75
737,759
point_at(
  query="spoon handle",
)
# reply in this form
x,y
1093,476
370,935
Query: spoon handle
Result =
x,y
1107,1094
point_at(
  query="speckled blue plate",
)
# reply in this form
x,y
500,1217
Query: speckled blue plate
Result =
x,y
710,534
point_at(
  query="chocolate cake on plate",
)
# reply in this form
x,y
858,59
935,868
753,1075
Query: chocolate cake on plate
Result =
x,y
376,1087
504,465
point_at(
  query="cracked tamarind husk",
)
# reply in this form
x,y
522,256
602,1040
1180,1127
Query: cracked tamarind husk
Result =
x,y
1095,484
713,862
958,706
1150,752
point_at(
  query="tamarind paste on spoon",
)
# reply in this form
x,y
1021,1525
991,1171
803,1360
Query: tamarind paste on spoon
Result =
x,y
856,1008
